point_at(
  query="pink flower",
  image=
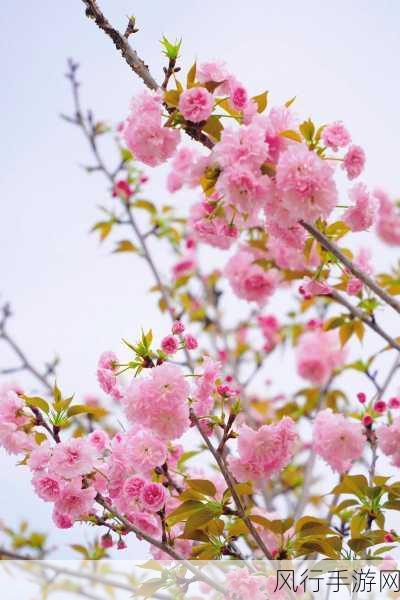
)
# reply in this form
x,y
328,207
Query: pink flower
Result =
x,y
190,342
47,487
244,147
169,344
279,119
62,521
264,452
388,219
11,408
106,373
145,451
389,440
204,387
215,72
305,183
13,440
133,487
354,161
318,354
337,440
243,189
99,439
146,522
144,134
336,136
362,215
74,501
248,280
73,458
40,457
153,496
211,229
159,402
196,104
238,96
242,585
184,167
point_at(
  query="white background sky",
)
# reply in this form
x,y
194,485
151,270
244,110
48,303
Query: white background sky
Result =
x,y
71,296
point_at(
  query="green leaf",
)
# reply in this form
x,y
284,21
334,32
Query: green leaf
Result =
x,y
171,50
352,484
37,402
145,205
104,228
291,135
80,409
262,101
289,103
203,485
126,246
183,511
307,128
191,76
213,127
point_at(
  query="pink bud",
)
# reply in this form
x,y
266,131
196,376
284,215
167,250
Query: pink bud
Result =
x,y
394,403
367,420
388,537
380,406
178,327
121,545
362,398
106,541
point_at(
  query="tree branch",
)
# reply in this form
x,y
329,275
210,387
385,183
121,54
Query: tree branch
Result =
x,y
356,271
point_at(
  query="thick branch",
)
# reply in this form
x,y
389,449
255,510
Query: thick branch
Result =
x,y
130,55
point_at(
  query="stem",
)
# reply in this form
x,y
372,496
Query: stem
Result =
x,y
356,271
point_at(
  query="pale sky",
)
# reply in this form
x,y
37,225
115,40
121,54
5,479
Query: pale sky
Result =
x,y
74,298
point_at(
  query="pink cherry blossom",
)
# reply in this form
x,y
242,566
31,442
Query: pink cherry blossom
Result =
x,y
47,487
39,457
264,452
190,342
75,501
242,585
249,281
279,119
354,161
238,95
389,440
269,326
73,458
313,287
318,354
159,402
178,327
169,344
144,134
335,136
214,71
99,439
305,183
196,104
388,219
62,521
362,214
338,440
146,522
153,496
211,229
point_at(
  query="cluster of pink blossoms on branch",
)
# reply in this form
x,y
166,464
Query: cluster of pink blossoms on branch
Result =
x,y
267,185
